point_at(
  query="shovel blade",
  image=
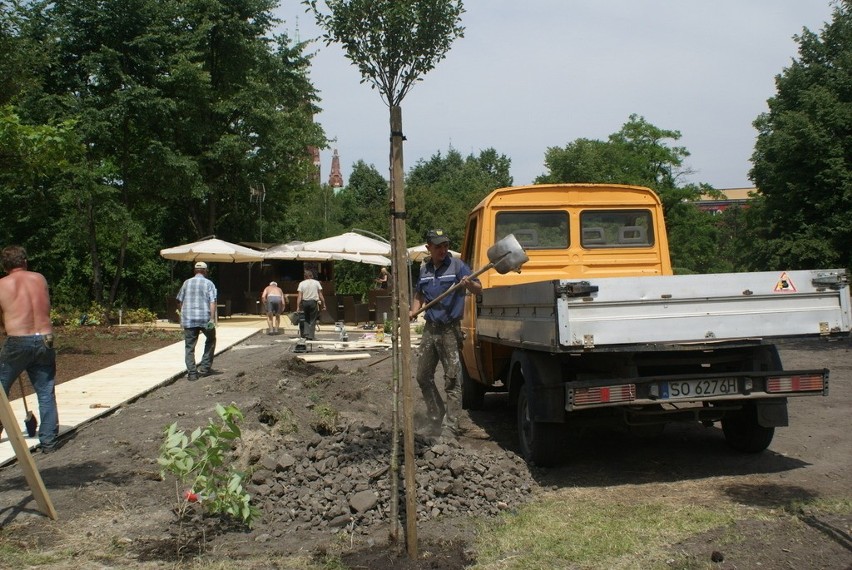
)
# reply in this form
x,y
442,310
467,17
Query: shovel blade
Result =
x,y
507,255
31,423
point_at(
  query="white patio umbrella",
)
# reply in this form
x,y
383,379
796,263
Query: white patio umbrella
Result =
x,y
294,251
349,242
419,253
213,250
371,258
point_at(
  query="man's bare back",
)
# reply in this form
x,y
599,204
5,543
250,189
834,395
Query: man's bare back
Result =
x,y
25,302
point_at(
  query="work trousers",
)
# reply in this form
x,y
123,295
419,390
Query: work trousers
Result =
x,y
36,355
190,337
440,343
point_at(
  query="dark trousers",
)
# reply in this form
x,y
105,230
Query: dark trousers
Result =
x,y
309,326
190,337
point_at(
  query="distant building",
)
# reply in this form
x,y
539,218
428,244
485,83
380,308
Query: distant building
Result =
x,y
731,197
335,179
315,157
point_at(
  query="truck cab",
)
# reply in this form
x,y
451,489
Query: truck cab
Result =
x,y
569,231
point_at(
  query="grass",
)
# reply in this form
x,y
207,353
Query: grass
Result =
x,y
14,556
822,506
323,378
563,530
326,419
286,423
573,528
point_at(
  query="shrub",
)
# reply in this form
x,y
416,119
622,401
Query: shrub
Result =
x,y
139,316
201,462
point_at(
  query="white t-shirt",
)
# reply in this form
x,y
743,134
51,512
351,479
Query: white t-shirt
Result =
x,y
310,289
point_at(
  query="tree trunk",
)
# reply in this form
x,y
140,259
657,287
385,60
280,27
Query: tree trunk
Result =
x,y
97,269
119,269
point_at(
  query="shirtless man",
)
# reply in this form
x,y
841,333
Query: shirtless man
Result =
x,y
273,297
25,305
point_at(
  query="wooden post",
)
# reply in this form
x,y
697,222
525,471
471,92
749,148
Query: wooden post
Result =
x,y
25,459
399,252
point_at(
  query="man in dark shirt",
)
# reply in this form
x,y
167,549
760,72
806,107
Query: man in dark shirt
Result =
x,y
442,334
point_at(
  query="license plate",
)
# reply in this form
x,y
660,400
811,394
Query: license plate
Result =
x,y
698,388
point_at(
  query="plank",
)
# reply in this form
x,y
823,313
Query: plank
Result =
x,y
25,459
324,357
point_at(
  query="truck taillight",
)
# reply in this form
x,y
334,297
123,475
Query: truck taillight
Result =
x,y
803,383
604,395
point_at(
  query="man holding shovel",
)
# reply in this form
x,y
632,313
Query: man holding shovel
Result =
x,y
442,334
25,303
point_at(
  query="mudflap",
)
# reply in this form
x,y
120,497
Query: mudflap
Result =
x,y
772,413
546,390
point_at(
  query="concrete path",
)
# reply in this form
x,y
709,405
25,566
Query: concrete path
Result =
x,y
87,397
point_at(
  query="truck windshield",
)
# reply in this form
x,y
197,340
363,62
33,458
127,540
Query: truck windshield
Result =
x,y
616,228
534,230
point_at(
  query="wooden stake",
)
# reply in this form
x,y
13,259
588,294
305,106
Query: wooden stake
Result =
x,y
25,459
400,259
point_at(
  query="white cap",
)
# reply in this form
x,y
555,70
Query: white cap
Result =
x,y
201,265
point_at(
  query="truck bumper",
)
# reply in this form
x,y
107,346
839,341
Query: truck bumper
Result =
x,y
712,389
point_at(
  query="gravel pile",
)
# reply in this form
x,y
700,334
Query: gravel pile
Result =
x,y
341,481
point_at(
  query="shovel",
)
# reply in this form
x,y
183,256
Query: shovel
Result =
x,y
505,255
30,420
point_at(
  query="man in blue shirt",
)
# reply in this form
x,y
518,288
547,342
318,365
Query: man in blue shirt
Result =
x,y
197,298
442,334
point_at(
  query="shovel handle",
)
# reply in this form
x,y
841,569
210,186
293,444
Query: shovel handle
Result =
x,y
473,275
23,396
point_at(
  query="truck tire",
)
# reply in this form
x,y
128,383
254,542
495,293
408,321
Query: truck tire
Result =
x,y
743,433
539,441
473,393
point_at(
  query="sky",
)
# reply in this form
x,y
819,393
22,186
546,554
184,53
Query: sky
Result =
x,y
530,75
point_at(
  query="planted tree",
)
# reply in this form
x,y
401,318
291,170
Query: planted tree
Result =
x,y
394,43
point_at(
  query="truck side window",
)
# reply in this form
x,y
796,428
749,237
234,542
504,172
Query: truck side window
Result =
x,y
616,228
535,229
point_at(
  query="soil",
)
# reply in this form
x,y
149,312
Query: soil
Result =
x,y
115,510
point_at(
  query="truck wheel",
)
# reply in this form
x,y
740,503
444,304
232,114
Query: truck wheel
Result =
x,y
743,433
473,393
539,440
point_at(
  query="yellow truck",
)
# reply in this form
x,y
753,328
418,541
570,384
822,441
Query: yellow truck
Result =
x,y
595,329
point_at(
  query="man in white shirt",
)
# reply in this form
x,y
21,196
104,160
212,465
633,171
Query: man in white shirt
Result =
x,y
309,300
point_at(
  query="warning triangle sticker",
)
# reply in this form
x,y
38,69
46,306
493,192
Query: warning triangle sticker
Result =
x,y
784,284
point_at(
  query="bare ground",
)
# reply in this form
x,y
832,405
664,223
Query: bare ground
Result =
x,y
115,510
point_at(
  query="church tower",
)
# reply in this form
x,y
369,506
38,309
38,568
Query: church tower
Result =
x,y
335,179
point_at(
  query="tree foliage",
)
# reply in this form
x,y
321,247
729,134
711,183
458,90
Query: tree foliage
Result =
x,y
443,189
640,154
364,201
181,107
801,161
392,42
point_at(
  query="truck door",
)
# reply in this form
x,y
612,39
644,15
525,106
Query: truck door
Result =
x,y
469,353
